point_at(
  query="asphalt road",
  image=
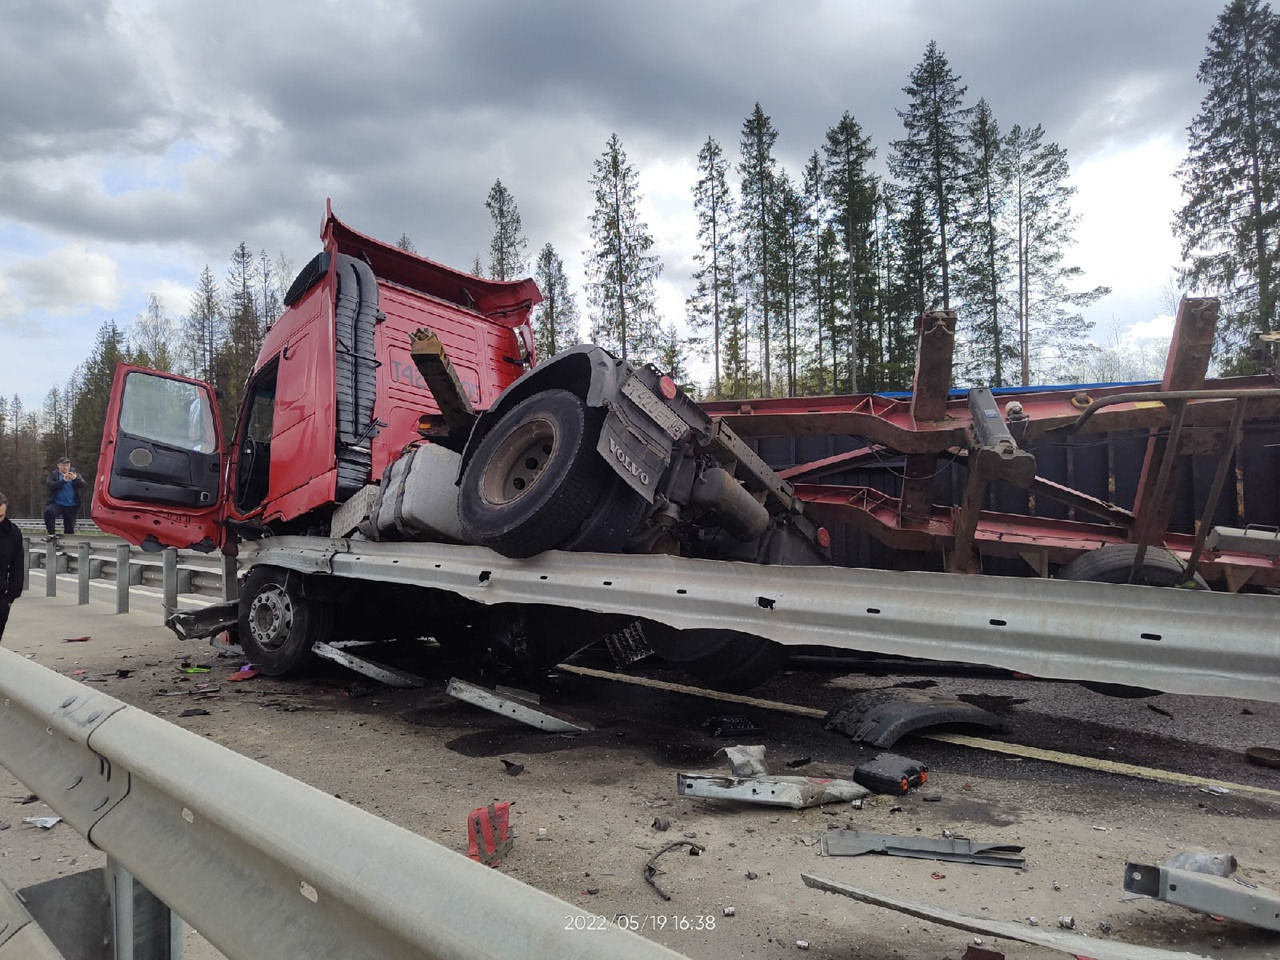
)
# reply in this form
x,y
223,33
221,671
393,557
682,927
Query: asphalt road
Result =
x,y
585,805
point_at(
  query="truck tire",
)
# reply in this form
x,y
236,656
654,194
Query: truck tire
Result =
x,y
724,659
277,623
616,515
1111,564
534,477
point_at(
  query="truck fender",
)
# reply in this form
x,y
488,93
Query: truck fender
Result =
x,y
635,448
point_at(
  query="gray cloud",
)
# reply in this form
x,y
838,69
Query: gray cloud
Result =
x,y
405,113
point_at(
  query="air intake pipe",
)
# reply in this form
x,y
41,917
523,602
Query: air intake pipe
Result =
x,y
740,514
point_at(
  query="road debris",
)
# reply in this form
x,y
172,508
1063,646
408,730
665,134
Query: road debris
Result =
x,y
852,842
489,838
729,911
661,824
891,774
1208,892
194,712
4,824
389,676
798,762
1073,943
777,791
802,944
883,716
1067,923
1263,757
650,869
513,769
731,725
247,672
1218,864
745,761
973,952
76,639
44,823
534,714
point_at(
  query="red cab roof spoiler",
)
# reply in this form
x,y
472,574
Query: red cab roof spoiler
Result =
x,y
506,301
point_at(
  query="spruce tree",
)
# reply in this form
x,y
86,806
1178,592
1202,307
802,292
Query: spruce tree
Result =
x,y
1051,329
555,320
405,244
203,327
851,191
930,158
508,250
1229,226
621,268
982,258
714,208
756,217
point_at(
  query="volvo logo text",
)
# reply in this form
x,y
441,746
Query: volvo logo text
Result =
x,y
621,456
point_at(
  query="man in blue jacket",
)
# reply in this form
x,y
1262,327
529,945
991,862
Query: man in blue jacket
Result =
x,y
64,486
10,562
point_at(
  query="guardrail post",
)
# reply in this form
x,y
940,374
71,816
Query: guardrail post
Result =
x,y
230,584
122,578
82,572
170,580
145,928
51,567
26,564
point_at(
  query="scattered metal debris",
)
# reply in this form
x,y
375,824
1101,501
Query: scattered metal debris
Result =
x,y
194,712
533,714
1160,710
628,645
802,944
513,769
1067,923
376,671
777,791
729,911
1073,943
650,869
1206,892
883,716
852,842
1218,864
44,823
745,761
891,774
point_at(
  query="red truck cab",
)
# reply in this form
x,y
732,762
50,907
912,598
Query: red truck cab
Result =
x,y
334,397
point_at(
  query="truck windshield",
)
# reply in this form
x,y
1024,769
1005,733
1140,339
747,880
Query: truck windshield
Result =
x,y
168,412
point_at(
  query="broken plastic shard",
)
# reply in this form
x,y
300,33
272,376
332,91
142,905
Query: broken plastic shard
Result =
x,y
44,823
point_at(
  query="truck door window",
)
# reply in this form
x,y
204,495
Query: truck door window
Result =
x,y
168,412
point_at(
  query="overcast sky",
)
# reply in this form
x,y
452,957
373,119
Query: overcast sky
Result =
x,y
141,140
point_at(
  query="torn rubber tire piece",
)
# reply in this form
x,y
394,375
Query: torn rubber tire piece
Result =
x,y
883,717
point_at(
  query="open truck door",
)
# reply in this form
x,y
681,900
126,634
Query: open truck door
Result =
x,y
160,479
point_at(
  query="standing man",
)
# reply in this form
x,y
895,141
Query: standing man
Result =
x,y
64,486
10,562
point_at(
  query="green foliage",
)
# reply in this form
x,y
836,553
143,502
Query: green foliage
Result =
x,y
555,320
508,250
1229,226
621,268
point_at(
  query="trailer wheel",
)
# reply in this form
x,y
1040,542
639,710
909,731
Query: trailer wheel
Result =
x,y
534,476
1111,564
724,659
277,623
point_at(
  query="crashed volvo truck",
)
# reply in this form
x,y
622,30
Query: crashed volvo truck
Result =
x,y
400,467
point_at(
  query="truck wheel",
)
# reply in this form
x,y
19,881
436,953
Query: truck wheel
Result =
x,y
724,659
615,517
277,623
1111,564
534,476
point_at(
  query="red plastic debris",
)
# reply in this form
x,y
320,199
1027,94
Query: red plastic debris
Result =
x,y
244,673
488,833
938,876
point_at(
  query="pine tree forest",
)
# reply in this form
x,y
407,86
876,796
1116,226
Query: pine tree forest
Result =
x,y
804,281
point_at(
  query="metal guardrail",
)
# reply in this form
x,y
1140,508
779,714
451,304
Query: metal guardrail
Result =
x,y
262,865
176,572
83,526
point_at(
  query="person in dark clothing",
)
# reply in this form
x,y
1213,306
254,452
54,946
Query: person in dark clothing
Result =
x,y
64,486
10,562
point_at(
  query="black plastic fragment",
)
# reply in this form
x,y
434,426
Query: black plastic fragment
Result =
x,y
883,716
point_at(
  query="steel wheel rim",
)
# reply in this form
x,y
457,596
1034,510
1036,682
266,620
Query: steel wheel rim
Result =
x,y
271,617
519,462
